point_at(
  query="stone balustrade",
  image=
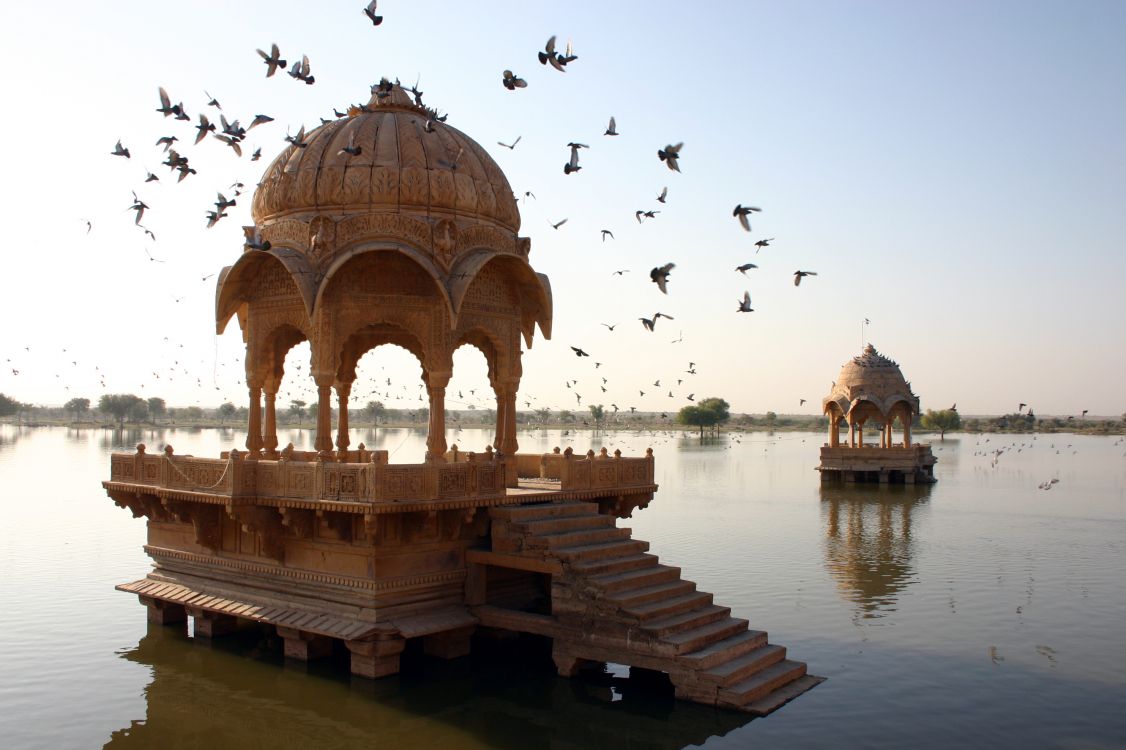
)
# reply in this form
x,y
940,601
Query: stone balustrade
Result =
x,y
293,476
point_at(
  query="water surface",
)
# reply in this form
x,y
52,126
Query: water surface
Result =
x,y
980,611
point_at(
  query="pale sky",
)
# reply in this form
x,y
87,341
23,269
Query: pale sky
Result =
x,y
955,172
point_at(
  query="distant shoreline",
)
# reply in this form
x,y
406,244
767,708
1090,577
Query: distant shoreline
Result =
x,y
739,424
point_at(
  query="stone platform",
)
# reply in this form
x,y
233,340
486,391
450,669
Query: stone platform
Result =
x,y
907,464
350,548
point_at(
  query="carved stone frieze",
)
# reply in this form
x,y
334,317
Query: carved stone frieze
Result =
x,y
266,524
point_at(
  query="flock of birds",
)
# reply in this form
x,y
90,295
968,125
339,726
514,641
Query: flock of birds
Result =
x,y
233,135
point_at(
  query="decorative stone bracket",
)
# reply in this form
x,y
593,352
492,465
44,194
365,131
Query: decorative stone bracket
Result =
x,y
266,523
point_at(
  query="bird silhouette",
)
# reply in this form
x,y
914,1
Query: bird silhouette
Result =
x,y
741,212
612,128
369,11
745,267
670,155
512,145
120,150
273,60
745,304
558,224
663,195
512,82
764,243
799,275
579,352
606,232
660,276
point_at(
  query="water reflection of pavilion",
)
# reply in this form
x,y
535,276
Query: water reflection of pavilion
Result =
x,y
201,695
869,547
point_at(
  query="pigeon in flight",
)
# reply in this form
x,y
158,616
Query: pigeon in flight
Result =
x,y
765,243
745,267
650,324
273,60
511,146
558,224
512,82
660,276
370,13
612,128
745,304
300,71
670,155
742,212
120,150
799,274
664,194
579,352
607,232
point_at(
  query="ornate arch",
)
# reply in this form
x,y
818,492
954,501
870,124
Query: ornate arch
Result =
x,y
532,289
239,282
421,259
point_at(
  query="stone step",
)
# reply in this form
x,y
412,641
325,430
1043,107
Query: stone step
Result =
x,y
742,667
667,607
697,638
517,513
634,579
601,550
762,683
631,598
613,564
723,651
782,695
689,620
564,539
553,524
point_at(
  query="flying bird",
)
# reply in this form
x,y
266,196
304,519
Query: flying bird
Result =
x,y
205,126
664,194
297,140
670,155
766,243
799,274
273,60
573,164
650,324
579,352
370,13
512,82
745,267
619,273
166,141
120,150
511,146
639,215
558,224
660,276
300,71
612,128
351,149
139,206
166,106
741,212
745,304
256,155
606,232
214,102
259,120
611,327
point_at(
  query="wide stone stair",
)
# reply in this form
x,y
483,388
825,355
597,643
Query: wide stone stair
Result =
x,y
611,600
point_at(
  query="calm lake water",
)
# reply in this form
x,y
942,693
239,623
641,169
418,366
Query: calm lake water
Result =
x,y
979,612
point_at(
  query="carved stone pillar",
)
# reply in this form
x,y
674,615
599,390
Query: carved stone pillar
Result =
x,y
860,435
270,424
323,441
834,431
343,390
907,431
851,434
508,444
498,389
254,428
436,433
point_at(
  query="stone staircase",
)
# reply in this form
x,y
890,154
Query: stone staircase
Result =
x,y
613,601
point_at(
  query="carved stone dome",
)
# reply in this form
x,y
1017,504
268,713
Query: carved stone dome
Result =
x,y
874,378
401,168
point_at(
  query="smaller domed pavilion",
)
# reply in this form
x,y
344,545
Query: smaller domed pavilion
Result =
x,y
871,386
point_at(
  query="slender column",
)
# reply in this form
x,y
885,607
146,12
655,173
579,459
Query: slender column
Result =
x,y
270,426
254,429
502,401
323,442
343,390
834,431
436,433
508,444
860,435
907,431
851,434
